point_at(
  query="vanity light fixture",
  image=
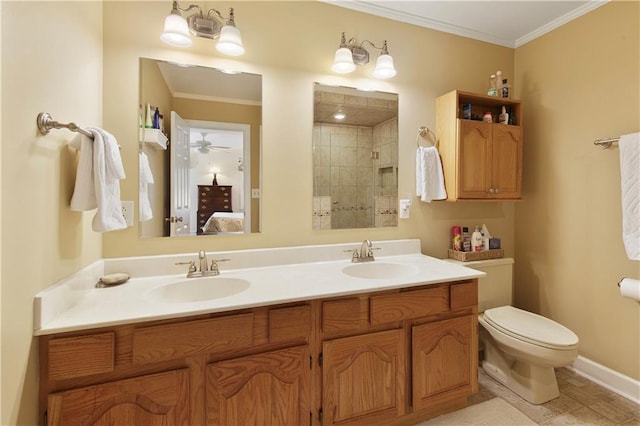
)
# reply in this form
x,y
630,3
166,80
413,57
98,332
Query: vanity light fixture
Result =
x,y
339,115
212,26
350,54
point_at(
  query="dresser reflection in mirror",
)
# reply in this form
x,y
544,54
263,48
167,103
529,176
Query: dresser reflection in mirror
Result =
x,y
355,158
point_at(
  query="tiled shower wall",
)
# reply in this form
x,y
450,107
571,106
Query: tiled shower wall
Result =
x,y
345,171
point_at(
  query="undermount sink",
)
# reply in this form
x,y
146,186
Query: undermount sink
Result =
x,y
198,289
380,270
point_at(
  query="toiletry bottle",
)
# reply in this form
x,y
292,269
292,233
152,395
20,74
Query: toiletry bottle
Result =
x,y
457,238
506,92
493,89
503,118
466,239
156,119
476,240
149,119
498,82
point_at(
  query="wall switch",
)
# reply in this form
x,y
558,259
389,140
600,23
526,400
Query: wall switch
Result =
x,y
255,192
404,207
127,212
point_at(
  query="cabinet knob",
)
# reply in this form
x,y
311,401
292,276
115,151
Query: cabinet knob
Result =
x,y
492,191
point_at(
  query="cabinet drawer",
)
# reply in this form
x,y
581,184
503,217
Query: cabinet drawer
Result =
x,y
343,315
81,356
464,295
409,304
289,324
171,341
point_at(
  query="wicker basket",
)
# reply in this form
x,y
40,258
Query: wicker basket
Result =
x,y
467,256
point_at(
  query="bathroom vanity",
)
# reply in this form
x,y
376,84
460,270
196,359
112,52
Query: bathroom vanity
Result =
x,y
340,348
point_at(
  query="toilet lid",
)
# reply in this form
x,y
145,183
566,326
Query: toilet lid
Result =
x,y
531,327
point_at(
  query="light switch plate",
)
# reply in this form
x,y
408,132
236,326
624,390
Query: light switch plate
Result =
x,y
127,212
405,208
255,192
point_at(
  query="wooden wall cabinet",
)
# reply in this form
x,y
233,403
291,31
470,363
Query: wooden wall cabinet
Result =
x,y
481,161
391,357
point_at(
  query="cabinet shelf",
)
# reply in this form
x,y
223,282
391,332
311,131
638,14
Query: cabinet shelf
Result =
x,y
155,138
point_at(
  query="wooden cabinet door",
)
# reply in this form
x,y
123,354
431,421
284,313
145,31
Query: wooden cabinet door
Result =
x,y
159,399
507,161
444,364
474,159
272,389
364,378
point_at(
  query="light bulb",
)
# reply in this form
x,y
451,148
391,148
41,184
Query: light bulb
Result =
x,y
230,41
343,62
384,67
176,31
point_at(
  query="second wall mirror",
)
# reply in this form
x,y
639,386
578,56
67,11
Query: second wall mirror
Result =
x,y
355,158
201,181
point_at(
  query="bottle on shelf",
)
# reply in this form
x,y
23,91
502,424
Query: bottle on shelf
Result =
x,y
476,240
156,119
149,119
466,239
493,88
499,82
506,89
503,118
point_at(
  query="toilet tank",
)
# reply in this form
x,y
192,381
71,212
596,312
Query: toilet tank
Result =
x,y
496,289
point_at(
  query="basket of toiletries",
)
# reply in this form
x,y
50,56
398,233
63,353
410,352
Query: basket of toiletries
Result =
x,y
468,256
479,245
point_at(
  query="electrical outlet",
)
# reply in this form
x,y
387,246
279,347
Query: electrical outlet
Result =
x,y
127,212
255,192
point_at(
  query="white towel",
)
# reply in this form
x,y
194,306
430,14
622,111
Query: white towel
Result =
x,y
146,178
429,177
98,180
630,184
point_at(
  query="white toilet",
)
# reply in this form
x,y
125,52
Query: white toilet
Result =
x,y
521,349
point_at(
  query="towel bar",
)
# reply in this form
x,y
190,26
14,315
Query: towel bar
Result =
x,y
46,123
605,143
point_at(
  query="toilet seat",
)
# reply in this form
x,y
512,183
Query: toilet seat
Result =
x,y
531,328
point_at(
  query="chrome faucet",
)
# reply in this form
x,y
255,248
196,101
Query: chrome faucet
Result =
x,y
202,256
204,269
365,254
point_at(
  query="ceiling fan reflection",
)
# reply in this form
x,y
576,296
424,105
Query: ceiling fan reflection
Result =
x,y
204,146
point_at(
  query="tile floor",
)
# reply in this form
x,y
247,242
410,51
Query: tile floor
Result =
x,y
581,402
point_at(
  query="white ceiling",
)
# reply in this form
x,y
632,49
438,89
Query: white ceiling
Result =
x,y
505,23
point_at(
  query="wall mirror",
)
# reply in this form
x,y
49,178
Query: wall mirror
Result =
x,y
355,158
200,159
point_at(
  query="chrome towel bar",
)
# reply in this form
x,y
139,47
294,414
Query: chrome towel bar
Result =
x,y
46,123
605,143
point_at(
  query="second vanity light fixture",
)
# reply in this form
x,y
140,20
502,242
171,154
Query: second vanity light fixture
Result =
x,y
350,54
177,29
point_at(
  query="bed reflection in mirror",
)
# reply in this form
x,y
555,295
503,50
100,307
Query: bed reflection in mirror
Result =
x,y
201,181
355,158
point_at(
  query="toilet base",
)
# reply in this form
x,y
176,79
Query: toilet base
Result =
x,y
535,384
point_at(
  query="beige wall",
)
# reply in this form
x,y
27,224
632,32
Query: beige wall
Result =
x,y
53,64
579,83
292,45
570,186
154,91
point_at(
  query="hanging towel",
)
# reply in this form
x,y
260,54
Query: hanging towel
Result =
x,y
98,180
429,177
146,178
630,184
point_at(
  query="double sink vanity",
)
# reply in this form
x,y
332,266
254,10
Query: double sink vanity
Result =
x,y
304,335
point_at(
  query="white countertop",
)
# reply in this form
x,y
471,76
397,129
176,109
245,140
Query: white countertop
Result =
x,y
75,304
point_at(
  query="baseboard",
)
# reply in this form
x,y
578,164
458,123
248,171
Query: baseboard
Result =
x,y
616,382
